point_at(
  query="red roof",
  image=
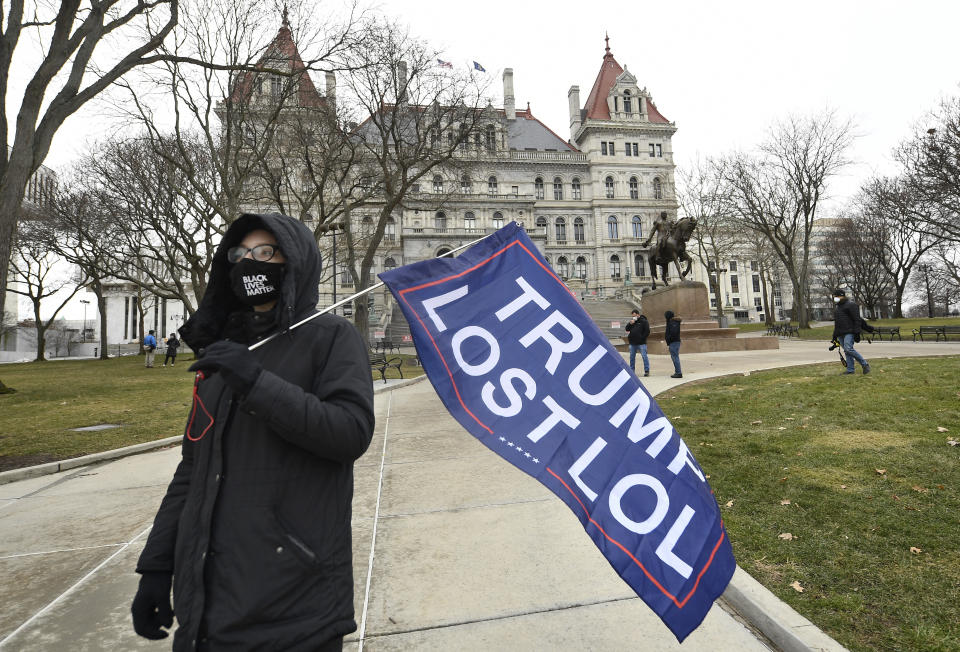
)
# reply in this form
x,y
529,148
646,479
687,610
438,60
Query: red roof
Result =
x,y
596,107
283,48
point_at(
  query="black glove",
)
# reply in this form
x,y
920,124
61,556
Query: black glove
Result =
x,y
151,606
234,361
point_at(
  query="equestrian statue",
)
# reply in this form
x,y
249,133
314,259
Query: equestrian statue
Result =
x,y
671,246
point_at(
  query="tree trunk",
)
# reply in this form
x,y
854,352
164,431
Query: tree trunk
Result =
x,y
768,318
102,311
15,179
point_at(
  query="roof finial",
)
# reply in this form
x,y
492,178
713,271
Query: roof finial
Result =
x,y
607,39
286,17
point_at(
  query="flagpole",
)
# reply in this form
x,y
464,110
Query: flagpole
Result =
x,y
257,345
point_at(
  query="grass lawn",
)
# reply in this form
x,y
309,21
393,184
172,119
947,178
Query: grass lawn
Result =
x,y
854,469
54,396
906,327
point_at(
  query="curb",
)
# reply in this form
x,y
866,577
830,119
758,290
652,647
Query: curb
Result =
x,y
775,619
64,465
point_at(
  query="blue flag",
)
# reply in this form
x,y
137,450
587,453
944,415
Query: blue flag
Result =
x,y
477,66
520,365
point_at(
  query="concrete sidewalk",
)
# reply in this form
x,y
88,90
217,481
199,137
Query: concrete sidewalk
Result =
x,y
453,549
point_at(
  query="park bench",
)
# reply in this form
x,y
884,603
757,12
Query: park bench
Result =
x,y
380,362
386,346
937,331
787,330
880,331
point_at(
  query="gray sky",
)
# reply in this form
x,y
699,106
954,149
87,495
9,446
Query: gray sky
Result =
x,y
723,71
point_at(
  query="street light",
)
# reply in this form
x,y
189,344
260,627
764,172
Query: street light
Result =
x,y
332,229
84,302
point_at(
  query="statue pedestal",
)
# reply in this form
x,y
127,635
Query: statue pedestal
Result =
x,y
699,332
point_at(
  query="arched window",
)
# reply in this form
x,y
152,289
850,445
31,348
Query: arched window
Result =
x,y
389,263
442,251
466,186
437,184
547,258
637,227
627,102
578,234
557,188
541,221
614,266
440,222
497,220
538,187
580,267
390,229
561,229
562,267
638,269
492,185
608,185
634,188
575,188
491,138
657,188
613,227
469,220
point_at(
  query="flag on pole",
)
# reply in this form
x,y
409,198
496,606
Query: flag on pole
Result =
x,y
521,366
477,66
444,64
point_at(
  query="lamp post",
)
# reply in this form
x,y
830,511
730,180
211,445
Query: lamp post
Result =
x,y
332,229
85,302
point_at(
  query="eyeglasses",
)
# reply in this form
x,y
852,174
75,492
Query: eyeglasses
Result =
x,y
261,253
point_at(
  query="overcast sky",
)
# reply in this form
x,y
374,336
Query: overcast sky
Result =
x,y
723,71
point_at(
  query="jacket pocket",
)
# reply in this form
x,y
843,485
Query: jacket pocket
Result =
x,y
300,548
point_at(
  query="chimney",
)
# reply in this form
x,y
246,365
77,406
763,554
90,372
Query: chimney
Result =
x,y
401,82
509,105
573,99
331,88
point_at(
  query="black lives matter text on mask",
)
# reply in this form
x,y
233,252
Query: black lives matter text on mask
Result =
x,y
256,284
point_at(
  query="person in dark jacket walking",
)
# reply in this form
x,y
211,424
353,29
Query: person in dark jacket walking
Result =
x,y
672,337
172,345
638,329
254,530
847,326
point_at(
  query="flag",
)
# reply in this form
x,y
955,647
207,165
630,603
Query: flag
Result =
x,y
444,64
521,366
477,66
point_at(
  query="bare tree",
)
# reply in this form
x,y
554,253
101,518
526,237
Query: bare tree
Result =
x,y
756,246
777,192
95,42
704,195
422,120
36,273
854,255
931,159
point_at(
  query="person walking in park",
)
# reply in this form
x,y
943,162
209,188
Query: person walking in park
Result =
x,y
847,326
254,532
149,346
638,329
672,337
172,345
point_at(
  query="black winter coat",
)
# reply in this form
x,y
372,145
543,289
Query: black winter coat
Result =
x,y
638,331
672,332
255,525
846,319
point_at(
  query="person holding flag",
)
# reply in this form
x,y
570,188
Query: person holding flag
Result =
x,y
254,532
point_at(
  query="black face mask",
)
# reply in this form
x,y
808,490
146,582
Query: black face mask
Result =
x,y
255,282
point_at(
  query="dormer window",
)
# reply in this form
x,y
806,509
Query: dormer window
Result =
x,y
627,103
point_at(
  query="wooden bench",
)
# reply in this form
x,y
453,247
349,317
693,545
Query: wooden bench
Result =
x,y
380,362
880,331
937,331
386,346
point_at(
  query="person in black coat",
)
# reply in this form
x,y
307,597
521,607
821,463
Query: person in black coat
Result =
x,y
255,527
847,326
172,345
638,330
672,336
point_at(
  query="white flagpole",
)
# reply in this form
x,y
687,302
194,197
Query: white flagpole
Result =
x,y
257,345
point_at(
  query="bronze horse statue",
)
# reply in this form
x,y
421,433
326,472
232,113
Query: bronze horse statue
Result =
x,y
673,249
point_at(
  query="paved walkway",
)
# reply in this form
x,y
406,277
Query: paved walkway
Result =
x,y
453,549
